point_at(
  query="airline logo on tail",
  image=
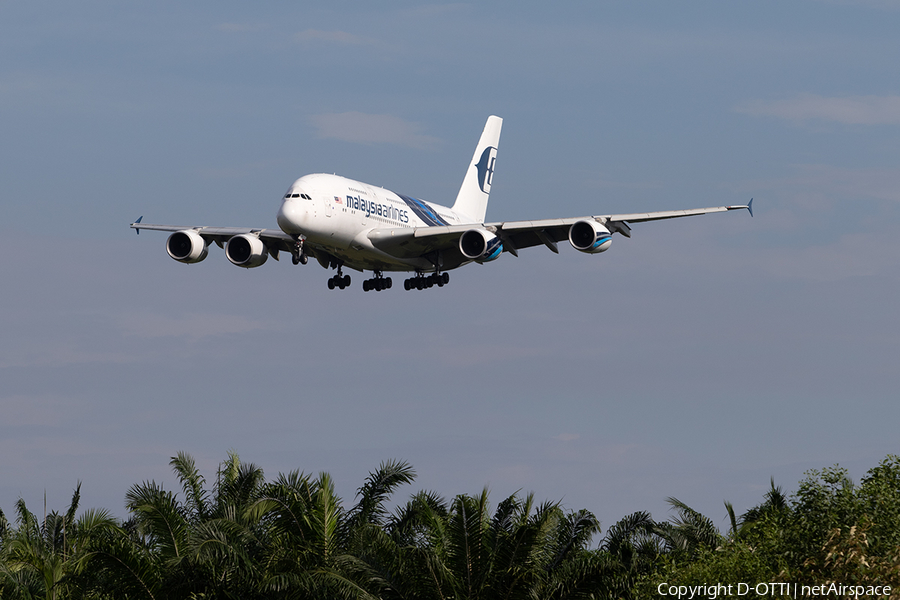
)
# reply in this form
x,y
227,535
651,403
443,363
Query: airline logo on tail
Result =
x,y
485,168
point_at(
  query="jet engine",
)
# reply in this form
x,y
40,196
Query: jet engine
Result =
x,y
246,251
187,246
589,236
480,245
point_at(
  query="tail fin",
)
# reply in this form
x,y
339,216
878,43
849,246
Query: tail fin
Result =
x,y
473,194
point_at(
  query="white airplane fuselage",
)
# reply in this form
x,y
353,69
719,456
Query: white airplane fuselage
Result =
x,y
337,213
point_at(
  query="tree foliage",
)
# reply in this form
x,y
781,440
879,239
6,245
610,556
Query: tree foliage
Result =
x,y
242,536
829,530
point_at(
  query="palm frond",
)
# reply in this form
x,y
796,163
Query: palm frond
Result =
x,y
160,516
378,487
73,506
192,482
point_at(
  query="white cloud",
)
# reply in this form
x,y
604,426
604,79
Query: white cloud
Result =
x,y
193,326
333,37
878,183
849,110
877,4
436,10
56,354
236,171
361,128
237,27
40,411
848,256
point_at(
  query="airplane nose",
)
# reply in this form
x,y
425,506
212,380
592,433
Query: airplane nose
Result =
x,y
290,216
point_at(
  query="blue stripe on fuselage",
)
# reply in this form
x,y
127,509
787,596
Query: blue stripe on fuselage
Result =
x,y
424,211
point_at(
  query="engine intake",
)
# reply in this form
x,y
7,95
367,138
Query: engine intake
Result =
x,y
187,246
589,236
246,251
480,245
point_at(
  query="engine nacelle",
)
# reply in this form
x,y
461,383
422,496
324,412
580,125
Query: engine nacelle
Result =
x,y
246,251
480,245
589,236
187,246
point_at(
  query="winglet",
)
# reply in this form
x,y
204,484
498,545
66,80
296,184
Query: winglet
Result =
x,y
137,230
748,206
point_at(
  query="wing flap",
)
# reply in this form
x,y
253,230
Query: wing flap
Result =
x,y
411,242
440,245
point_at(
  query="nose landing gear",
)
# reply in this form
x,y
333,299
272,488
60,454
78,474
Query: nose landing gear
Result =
x,y
298,256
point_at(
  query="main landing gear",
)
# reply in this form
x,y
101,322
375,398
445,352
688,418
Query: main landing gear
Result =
x,y
340,280
420,282
377,283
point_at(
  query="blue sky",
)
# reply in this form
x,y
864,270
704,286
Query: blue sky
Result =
x,y
696,359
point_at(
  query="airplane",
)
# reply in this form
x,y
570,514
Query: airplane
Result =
x,y
345,223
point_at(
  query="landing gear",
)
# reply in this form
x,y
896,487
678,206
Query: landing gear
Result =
x,y
377,283
420,282
298,256
340,280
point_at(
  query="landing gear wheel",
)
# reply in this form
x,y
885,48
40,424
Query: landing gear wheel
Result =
x,y
298,256
340,280
378,283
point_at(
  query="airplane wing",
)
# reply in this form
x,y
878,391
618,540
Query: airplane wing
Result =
x,y
515,235
524,234
275,239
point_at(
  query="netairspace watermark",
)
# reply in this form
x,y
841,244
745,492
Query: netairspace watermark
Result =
x,y
777,590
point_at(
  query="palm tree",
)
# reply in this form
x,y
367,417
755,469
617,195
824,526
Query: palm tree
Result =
x,y
462,551
774,506
204,544
630,550
44,559
319,549
684,534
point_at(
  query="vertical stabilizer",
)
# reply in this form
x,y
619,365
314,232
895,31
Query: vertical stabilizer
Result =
x,y
476,187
